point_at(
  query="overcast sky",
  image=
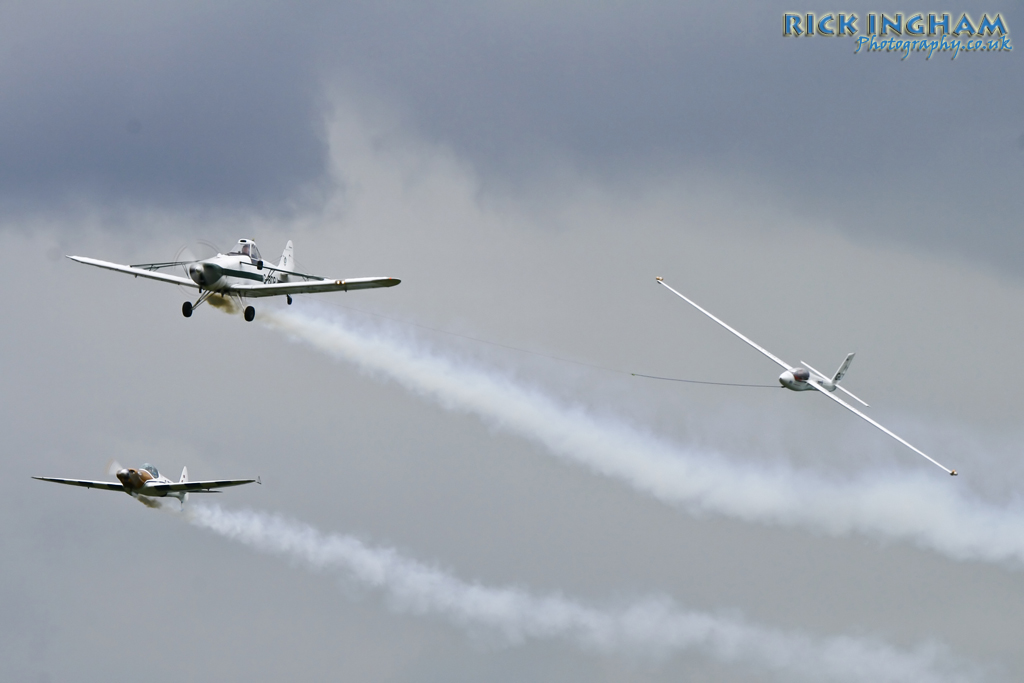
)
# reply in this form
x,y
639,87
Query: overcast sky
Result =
x,y
526,169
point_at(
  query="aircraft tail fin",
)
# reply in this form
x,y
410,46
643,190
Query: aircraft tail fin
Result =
x,y
287,258
840,373
184,478
843,368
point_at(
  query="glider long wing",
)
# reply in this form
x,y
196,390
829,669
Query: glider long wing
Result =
x,y
763,350
282,288
137,272
105,485
893,435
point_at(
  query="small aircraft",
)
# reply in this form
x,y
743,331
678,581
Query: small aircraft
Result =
x,y
146,484
807,378
241,273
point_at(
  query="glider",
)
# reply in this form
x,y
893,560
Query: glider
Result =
x,y
805,378
241,273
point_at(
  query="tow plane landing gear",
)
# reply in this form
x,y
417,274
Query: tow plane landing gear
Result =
x,y
250,314
289,297
186,308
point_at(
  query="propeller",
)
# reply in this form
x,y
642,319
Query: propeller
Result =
x,y
197,250
113,466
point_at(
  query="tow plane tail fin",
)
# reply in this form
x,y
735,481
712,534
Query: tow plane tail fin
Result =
x,y
184,478
287,258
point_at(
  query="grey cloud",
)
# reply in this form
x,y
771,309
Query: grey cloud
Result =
x,y
224,107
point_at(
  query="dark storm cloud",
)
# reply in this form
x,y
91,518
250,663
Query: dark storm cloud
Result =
x,y
224,107
190,106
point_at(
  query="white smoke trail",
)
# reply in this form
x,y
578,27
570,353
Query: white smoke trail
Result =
x,y
924,510
653,626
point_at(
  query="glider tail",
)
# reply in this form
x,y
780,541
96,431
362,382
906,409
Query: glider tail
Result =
x,y
843,368
840,373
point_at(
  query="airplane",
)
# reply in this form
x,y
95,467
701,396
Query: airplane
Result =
x,y
146,484
806,378
241,273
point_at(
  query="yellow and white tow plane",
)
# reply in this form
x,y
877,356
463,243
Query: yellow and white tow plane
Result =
x,y
241,273
805,378
146,484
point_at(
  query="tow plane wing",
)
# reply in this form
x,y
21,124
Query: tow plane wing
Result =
x,y
137,271
241,273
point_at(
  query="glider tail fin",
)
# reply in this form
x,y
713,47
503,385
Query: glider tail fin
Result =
x,y
843,368
840,373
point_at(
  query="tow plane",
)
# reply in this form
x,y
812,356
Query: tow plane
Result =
x,y
240,274
805,378
146,484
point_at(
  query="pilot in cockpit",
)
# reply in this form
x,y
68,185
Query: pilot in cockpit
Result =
x,y
247,248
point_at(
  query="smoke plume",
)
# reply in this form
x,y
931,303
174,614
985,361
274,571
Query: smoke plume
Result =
x,y
653,626
923,510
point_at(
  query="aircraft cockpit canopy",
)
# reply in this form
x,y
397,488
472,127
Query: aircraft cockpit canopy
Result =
x,y
247,248
152,470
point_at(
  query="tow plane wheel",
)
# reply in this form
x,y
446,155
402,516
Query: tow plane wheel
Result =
x,y
250,314
186,309
289,297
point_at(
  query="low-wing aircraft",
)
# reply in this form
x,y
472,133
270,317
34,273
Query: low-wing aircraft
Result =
x,y
241,273
146,484
803,378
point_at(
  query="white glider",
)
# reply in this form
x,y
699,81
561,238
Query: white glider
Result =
x,y
241,273
797,378
146,484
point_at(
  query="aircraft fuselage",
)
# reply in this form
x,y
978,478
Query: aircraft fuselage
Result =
x,y
224,270
798,379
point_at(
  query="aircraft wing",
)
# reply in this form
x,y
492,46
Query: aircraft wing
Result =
x,y
137,272
860,414
105,485
282,288
198,486
763,350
